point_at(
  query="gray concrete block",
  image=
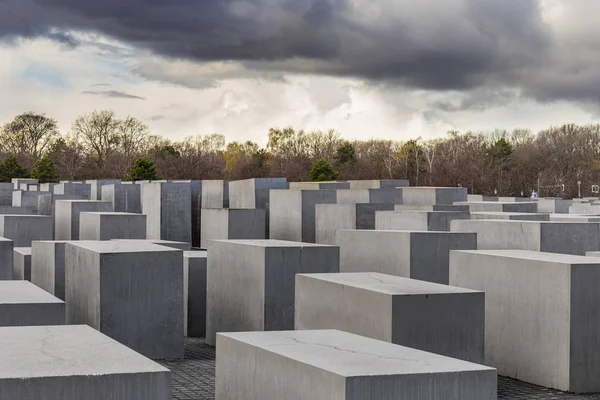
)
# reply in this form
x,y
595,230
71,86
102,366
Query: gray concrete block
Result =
x,y
6,196
67,216
168,206
47,202
509,199
511,216
6,259
74,363
167,243
194,293
130,291
496,206
386,196
18,181
574,218
251,282
254,193
378,183
435,207
292,213
549,236
48,266
17,210
27,199
47,187
23,229
22,263
7,186
196,189
427,316
74,189
96,187
416,255
554,206
584,208
215,194
331,217
124,197
335,365
227,223
319,185
541,314
433,195
24,304
111,225
364,196
417,220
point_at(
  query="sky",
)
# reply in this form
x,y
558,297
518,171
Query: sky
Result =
x,y
394,69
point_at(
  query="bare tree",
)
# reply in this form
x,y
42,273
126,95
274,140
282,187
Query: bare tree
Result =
x,y
30,134
98,132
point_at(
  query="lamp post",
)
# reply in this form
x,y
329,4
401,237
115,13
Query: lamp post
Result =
x,y
579,188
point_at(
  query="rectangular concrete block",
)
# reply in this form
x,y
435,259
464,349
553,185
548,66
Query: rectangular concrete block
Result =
x,y
22,263
584,208
254,193
194,293
47,202
6,197
417,220
548,236
495,206
336,365
511,216
251,282
215,194
167,243
124,197
378,183
48,266
427,316
319,185
27,199
74,189
74,363
67,216
96,187
435,207
330,218
541,314
18,181
228,223
554,206
574,218
416,255
132,292
6,259
23,229
47,187
24,304
168,206
111,225
18,210
433,195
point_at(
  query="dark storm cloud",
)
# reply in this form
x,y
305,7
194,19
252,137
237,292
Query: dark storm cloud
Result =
x,y
112,94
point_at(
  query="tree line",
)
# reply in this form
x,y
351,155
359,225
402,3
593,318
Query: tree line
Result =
x,y
505,163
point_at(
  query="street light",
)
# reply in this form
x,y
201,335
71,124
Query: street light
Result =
x,y
579,188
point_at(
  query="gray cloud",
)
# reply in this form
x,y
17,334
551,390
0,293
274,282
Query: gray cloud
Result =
x,y
112,94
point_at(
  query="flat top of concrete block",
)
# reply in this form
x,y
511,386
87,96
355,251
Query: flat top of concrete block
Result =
x,y
153,241
49,241
23,216
110,213
466,203
195,254
68,350
26,251
271,243
83,201
118,246
512,221
500,213
350,355
24,292
392,232
567,259
3,239
387,284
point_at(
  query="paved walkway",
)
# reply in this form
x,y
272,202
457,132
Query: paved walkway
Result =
x,y
194,379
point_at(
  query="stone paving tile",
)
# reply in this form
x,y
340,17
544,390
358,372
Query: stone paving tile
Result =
x,y
194,379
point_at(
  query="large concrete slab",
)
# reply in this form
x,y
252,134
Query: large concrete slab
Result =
x,y
96,187
194,293
427,316
330,218
417,220
227,223
27,199
24,304
48,266
511,216
130,291
6,259
74,189
541,314
335,365
554,206
496,206
124,197
254,193
251,282
22,263
111,225
584,208
215,194
319,185
168,206
75,363
23,229
433,195
67,216
549,236
378,183
416,255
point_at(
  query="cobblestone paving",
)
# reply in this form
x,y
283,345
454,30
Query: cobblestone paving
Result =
x,y
194,379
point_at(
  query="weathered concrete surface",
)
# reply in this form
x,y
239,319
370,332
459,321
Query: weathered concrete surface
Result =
x,y
251,282
124,197
548,236
427,316
416,255
417,220
23,229
378,183
6,259
194,293
130,291
541,314
511,216
494,206
227,223
168,206
67,216
22,264
27,199
48,266
24,304
215,194
75,363
335,365
111,225
433,195
96,187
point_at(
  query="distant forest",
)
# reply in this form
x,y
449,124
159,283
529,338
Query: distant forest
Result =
x,y
506,163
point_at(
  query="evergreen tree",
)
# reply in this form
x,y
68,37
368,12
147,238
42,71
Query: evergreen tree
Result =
x,y
143,169
346,153
322,171
45,170
11,168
